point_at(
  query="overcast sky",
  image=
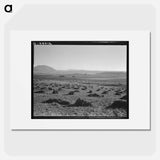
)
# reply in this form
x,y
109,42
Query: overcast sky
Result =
x,y
83,57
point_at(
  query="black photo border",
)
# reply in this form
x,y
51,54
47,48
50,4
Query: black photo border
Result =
x,y
77,43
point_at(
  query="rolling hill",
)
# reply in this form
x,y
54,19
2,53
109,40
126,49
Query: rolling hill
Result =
x,y
43,69
47,70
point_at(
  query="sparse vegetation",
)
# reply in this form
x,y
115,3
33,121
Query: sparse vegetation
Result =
x,y
124,97
81,102
71,96
93,95
118,104
59,101
71,93
89,91
39,91
54,91
104,92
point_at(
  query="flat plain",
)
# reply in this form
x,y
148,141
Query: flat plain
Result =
x,y
97,95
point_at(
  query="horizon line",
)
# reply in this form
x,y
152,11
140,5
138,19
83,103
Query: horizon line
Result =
x,y
81,69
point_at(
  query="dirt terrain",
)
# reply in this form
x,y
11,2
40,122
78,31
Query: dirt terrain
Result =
x,y
80,96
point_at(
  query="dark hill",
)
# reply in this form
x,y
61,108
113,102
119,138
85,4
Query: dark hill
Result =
x,y
43,69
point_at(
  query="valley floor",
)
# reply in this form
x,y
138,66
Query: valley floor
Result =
x,y
64,97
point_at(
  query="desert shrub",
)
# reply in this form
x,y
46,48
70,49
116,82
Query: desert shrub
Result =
x,y
71,93
93,95
118,104
54,91
124,97
41,91
76,87
118,93
84,88
104,92
59,101
81,102
50,88
89,91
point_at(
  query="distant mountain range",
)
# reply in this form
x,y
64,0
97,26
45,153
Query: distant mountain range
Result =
x,y
43,69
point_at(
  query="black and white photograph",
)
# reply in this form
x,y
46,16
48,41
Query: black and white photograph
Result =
x,y
80,80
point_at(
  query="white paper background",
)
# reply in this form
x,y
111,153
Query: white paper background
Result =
x,y
139,80
80,15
